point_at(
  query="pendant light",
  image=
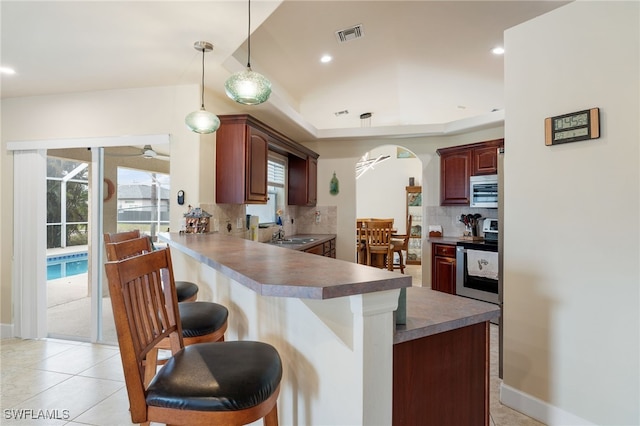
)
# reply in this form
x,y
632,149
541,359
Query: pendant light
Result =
x,y
202,121
248,87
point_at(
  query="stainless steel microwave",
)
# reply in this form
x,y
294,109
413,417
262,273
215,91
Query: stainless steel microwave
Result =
x,y
483,191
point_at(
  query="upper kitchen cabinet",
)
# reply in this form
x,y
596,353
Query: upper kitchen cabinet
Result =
x,y
455,169
241,162
459,163
242,150
484,159
303,181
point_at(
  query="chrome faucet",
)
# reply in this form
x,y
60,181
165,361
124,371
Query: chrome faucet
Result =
x,y
278,235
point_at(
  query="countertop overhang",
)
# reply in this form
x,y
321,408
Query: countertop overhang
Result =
x,y
271,271
431,312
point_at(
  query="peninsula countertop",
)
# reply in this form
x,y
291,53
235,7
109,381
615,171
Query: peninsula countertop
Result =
x,y
271,271
431,312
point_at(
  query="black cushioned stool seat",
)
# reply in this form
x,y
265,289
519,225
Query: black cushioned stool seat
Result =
x,y
224,376
200,318
186,290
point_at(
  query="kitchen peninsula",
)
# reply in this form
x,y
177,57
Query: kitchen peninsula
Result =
x,y
331,321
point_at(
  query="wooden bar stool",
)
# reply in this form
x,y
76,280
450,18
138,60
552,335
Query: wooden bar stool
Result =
x,y
230,383
201,321
187,291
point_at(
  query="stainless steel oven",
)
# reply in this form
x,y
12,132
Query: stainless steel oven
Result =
x,y
477,271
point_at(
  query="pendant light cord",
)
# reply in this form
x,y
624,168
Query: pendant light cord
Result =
x,y
249,38
202,96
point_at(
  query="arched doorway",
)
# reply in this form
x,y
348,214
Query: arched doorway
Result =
x,y
382,177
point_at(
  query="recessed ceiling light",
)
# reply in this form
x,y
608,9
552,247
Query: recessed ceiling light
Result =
x,y
7,70
326,58
498,50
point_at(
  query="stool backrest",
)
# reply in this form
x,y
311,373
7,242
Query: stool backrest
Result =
x,y
128,248
144,314
121,236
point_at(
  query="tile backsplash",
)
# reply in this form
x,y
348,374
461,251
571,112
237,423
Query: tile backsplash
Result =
x,y
306,220
449,219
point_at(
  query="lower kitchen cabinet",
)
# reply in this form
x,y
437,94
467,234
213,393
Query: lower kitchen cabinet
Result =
x,y
442,379
443,268
327,249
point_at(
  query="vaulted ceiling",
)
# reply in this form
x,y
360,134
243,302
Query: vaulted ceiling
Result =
x,y
418,66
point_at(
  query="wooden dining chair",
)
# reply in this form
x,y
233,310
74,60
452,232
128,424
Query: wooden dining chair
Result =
x,y
361,246
401,243
187,291
200,321
226,383
378,243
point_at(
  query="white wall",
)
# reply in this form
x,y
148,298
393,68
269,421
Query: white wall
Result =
x,y
380,192
571,247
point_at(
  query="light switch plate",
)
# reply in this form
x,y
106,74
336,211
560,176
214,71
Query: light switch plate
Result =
x,y
216,225
239,223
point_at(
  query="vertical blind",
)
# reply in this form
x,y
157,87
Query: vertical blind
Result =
x,y
275,173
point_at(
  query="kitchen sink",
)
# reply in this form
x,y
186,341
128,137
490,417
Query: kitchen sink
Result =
x,y
294,241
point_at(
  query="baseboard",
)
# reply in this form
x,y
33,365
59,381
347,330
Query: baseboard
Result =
x,y
538,409
6,331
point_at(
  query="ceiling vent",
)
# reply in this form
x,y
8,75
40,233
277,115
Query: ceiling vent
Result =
x,y
349,34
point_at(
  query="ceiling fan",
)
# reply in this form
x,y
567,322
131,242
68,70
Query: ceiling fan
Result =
x,y
146,152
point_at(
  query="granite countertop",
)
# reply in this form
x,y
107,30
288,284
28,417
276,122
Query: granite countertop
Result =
x,y
456,240
431,312
270,271
446,240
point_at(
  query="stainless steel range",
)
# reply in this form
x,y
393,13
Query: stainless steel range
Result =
x,y
477,266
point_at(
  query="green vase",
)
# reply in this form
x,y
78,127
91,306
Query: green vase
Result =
x,y
334,185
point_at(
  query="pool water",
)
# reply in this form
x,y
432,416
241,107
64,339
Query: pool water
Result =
x,y
66,265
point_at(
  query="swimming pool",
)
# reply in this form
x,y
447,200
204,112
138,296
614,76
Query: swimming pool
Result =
x,y
66,265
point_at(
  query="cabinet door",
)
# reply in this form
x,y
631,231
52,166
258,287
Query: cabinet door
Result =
x,y
444,274
312,181
303,181
455,169
319,249
256,171
485,161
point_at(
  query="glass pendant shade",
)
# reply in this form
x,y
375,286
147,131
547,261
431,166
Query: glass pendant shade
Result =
x,y
202,121
248,87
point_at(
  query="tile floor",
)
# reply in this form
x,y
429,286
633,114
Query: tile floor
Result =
x,y
82,384
77,383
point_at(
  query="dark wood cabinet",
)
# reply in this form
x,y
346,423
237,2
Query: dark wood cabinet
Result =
x,y
454,178
241,162
459,163
256,171
442,379
242,150
303,181
327,249
484,160
443,268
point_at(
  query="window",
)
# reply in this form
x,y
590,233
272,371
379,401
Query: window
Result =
x,y
276,168
143,201
67,202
